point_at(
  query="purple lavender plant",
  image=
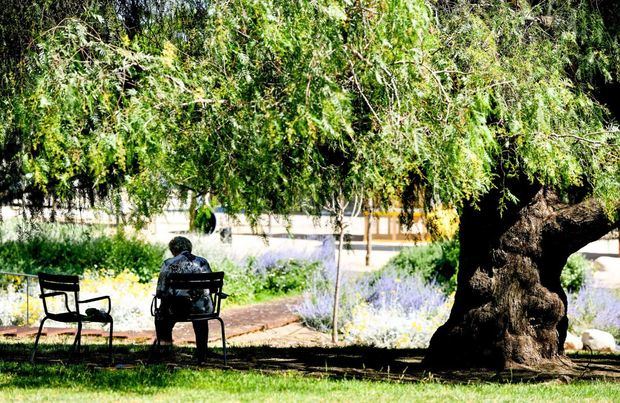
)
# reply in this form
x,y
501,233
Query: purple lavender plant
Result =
x,y
407,292
275,257
389,291
326,253
593,307
316,308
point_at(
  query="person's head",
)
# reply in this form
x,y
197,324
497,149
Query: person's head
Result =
x,y
179,244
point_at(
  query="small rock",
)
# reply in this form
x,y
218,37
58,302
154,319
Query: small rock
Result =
x,y
572,342
598,340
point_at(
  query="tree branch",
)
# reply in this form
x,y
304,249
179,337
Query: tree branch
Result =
x,y
575,226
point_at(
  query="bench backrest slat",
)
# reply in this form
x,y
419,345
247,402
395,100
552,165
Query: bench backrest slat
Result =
x,y
59,282
196,281
54,286
59,278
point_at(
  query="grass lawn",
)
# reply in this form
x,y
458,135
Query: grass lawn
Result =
x,y
350,374
21,381
261,297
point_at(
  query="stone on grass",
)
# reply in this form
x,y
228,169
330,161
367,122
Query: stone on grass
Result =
x,y
598,340
572,342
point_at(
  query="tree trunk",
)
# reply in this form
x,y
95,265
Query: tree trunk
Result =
x,y
369,232
337,285
509,307
193,205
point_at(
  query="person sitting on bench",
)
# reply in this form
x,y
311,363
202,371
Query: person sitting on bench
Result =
x,y
180,303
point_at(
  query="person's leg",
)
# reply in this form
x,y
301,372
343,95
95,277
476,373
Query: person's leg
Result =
x,y
163,325
201,331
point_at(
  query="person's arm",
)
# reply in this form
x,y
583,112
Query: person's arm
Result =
x,y
204,265
161,281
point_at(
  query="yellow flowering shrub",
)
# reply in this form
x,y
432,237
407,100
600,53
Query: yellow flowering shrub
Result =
x,y
442,223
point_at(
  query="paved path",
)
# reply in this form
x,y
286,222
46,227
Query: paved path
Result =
x,y
238,321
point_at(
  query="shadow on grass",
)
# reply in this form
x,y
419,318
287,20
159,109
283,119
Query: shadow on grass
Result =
x,y
131,372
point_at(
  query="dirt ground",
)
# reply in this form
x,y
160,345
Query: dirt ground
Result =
x,y
292,335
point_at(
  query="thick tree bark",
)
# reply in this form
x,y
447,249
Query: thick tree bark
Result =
x,y
509,306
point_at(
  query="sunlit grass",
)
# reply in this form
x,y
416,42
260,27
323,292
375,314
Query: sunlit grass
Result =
x,y
21,381
56,378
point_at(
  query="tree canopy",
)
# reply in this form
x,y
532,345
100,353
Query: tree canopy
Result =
x,y
271,105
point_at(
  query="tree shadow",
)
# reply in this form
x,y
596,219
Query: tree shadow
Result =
x,y
354,362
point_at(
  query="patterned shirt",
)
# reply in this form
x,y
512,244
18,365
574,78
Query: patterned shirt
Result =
x,y
184,262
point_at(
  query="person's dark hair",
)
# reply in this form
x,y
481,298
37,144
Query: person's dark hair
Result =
x,y
179,244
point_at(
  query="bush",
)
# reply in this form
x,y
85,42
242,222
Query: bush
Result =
x,y
435,262
574,273
391,309
205,220
285,276
274,272
131,301
72,249
591,307
442,224
238,281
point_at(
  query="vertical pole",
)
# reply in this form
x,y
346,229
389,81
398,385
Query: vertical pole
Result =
x,y
337,286
27,300
24,216
269,225
369,233
193,205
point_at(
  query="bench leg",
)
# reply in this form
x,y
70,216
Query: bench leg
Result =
x,y
155,349
152,350
78,339
110,341
36,341
223,340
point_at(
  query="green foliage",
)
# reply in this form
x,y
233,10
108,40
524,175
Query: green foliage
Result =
x,y
438,261
442,224
74,250
239,282
245,282
277,106
204,221
286,276
574,272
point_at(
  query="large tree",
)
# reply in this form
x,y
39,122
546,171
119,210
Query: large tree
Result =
x,y
495,107
554,174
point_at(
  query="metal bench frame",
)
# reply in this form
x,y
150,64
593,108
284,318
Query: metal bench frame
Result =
x,y
54,285
213,282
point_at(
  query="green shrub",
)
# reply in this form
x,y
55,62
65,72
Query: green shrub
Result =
x,y
205,220
286,276
238,281
437,261
442,224
71,249
74,249
574,272
245,282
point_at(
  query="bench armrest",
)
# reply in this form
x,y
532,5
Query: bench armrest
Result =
x,y
222,295
55,294
154,305
98,299
52,294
